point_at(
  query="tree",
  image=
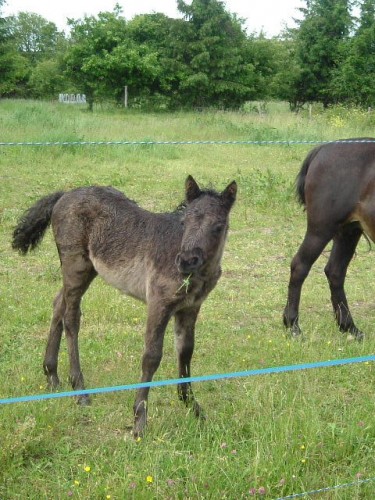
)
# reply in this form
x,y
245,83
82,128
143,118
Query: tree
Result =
x,y
34,37
354,78
102,59
211,46
14,67
318,45
47,80
264,61
161,34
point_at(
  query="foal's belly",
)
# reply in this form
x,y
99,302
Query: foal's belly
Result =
x,y
128,278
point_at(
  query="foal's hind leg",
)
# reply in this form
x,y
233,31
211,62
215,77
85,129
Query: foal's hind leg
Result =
x,y
53,345
78,273
184,338
344,245
310,249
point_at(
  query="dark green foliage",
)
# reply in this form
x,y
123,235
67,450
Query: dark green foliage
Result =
x,y
33,36
203,60
318,41
213,48
354,78
101,58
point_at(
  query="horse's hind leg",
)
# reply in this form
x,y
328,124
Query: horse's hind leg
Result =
x,y
78,273
184,338
344,245
310,249
54,339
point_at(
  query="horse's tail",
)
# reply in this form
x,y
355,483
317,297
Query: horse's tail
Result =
x,y
32,225
301,177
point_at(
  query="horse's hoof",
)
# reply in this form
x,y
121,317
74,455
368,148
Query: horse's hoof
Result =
x,y
357,336
296,333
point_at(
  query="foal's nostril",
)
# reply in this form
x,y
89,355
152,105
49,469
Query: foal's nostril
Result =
x,y
188,262
194,261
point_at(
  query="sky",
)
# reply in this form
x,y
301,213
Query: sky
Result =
x,y
270,16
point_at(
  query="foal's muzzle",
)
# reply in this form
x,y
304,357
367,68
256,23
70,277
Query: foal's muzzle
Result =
x,y
189,261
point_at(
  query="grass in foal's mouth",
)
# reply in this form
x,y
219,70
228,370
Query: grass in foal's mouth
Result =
x,y
185,283
263,437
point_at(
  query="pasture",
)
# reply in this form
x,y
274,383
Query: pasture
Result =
x,y
266,436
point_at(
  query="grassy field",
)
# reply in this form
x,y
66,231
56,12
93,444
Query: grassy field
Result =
x,y
266,436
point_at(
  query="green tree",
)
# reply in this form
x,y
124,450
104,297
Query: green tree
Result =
x,y
14,67
212,47
47,80
34,37
101,58
161,34
318,45
263,57
355,76
287,71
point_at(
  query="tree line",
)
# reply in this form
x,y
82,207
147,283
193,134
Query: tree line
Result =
x,y
205,59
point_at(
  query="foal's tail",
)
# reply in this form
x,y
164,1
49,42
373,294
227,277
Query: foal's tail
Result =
x,y
301,177
32,225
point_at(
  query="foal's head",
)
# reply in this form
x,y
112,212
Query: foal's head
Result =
x,y
205,226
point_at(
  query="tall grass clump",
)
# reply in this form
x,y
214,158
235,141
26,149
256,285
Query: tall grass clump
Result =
x,y
265,436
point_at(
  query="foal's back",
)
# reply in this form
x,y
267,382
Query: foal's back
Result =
x,y
126,244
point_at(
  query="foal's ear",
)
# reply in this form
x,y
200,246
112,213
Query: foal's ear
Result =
x,y
192,190
229,194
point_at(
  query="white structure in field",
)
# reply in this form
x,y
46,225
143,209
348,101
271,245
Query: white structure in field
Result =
x,y
72,98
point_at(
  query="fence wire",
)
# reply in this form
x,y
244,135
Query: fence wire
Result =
x,y
174,143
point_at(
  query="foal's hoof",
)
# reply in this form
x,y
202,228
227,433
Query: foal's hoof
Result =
x,y
198,411
53,382
139,427
84,400
140,418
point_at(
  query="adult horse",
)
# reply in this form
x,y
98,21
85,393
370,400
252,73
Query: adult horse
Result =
x,y
171,261
336,184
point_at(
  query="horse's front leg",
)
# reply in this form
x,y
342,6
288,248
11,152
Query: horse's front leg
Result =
x,y
184,337
157,321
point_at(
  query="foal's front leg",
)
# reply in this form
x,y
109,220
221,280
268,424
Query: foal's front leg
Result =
x,y
184,338
54,339
157,321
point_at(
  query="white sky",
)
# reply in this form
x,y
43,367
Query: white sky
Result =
x,y
271,16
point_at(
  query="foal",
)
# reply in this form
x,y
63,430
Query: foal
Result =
x,y
170,261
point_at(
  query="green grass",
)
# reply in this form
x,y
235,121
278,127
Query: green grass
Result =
x,y
286,433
